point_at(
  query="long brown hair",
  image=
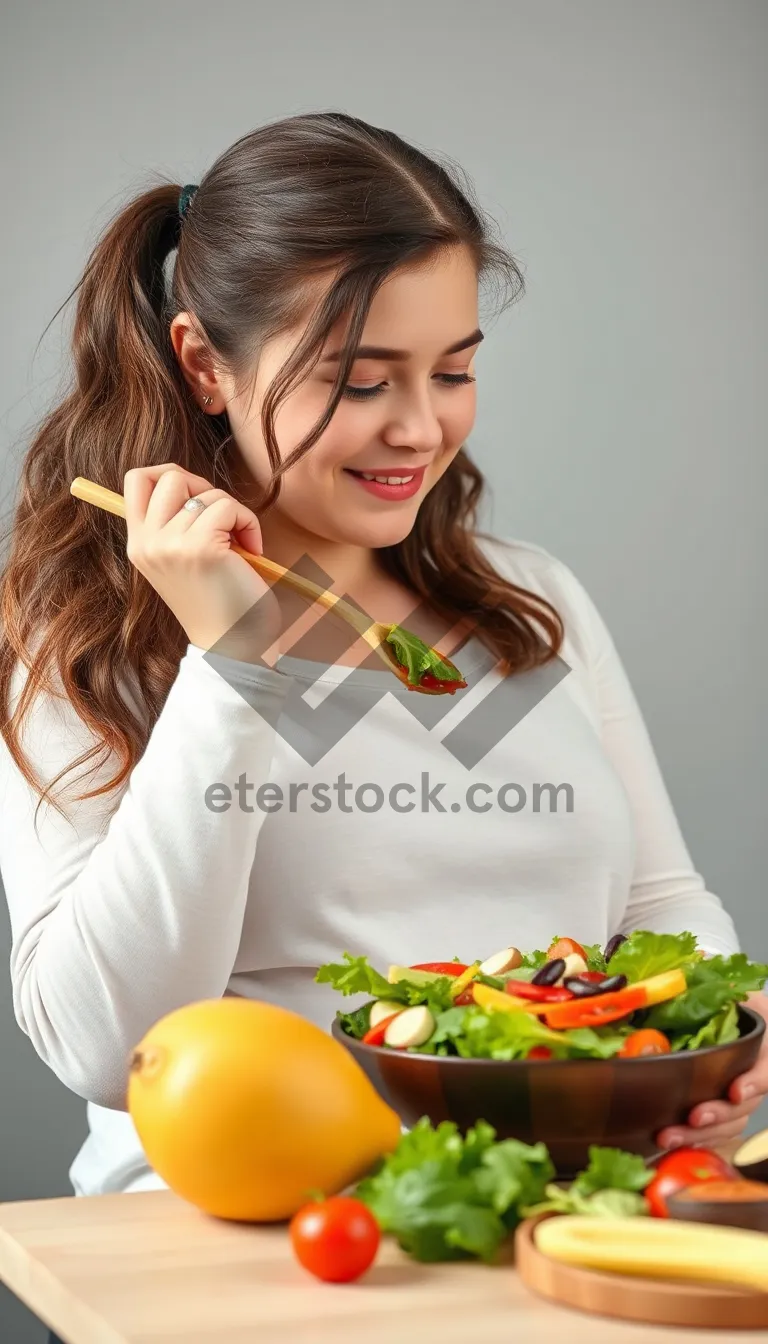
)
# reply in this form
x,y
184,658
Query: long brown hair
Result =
x,y
287,202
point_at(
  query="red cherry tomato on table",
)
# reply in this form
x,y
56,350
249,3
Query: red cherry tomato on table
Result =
x,y
336,1239
683,1167
565,947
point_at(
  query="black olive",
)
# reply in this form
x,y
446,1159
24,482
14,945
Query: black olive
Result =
x,y
583,988
615,942
550,972
613,983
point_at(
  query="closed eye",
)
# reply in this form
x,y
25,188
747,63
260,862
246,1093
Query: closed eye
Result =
x,y
367,393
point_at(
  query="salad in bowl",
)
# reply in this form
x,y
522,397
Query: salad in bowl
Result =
x,y
642,994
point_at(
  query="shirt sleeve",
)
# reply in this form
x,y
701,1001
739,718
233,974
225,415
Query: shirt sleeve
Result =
x,y
667,895
133,905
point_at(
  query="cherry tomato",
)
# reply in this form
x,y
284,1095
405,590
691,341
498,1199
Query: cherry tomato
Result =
x,y
336,1239
441,967
684,1166
466,998
593,977
564,947
539,1052
645,1042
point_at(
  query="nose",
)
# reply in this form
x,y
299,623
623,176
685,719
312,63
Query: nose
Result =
x,y
415,425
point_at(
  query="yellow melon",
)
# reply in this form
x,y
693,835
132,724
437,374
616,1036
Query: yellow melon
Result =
x,y
243,1107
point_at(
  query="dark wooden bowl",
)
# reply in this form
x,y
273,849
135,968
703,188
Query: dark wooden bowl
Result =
x,y
569,1103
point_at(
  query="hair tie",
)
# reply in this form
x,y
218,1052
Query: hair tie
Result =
x,y
186,196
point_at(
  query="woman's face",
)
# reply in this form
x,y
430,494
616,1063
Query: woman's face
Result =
x,y
410,416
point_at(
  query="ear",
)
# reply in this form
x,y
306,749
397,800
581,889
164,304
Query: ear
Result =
x,y
196,362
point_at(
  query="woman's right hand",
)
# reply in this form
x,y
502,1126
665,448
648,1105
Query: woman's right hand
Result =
x,y
188,559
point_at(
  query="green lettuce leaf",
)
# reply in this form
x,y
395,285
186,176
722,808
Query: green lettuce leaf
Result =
x,y
595,957
489,1035
610,1186
533,960
712,985
719,1030
601,1203
645,954
418,657
356,976
356,1024
612,1169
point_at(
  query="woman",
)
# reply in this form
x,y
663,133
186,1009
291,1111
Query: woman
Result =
x,y
141,649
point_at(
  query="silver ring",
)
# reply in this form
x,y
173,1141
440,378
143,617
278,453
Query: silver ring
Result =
x,y
194,505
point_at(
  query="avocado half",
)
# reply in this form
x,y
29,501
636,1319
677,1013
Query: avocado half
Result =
x,y
738,1203
751,1159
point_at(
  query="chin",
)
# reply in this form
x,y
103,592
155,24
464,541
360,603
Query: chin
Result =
x,y
384,531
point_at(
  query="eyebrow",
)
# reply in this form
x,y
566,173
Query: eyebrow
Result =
x,y
383,352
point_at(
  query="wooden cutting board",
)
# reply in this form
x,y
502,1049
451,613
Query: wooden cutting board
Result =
x,y
632,1298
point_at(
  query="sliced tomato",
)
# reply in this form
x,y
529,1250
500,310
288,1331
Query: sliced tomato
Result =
x,y
593,977
523,989
434,683
376,1035
441,967
647,1041
565,947
594,1011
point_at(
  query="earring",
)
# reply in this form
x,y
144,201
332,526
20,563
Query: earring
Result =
x,y
207,401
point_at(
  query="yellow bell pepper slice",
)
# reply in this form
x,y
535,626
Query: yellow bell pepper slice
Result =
x,y
466,978
659,988
499,1001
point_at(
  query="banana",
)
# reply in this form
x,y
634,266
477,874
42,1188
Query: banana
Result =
x,y
657,1248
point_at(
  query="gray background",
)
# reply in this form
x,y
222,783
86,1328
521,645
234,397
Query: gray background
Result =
x,y
622,404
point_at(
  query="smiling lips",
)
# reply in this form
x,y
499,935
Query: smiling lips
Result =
x,y
390,482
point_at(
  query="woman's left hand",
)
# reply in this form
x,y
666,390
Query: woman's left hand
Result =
x,y
716,1122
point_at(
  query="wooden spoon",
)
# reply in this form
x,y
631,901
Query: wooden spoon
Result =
x,y
374,633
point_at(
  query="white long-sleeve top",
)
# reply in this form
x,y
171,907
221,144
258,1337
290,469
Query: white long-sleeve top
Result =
x,y
158,895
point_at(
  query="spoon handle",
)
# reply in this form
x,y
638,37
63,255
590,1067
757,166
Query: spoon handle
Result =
x,y
112,502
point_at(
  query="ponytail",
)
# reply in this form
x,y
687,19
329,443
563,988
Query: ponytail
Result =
x,y
74,611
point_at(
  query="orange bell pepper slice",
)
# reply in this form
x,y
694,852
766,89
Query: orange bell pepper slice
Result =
x,y
593,1012
602,1008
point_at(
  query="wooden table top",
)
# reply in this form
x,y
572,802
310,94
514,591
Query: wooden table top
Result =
x,y
147,1268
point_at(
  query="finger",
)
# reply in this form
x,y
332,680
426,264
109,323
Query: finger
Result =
x,y
720,1112
226,516
171,492
183,519
753,1084
679,1135
139,485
